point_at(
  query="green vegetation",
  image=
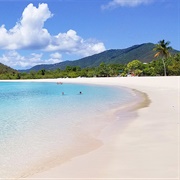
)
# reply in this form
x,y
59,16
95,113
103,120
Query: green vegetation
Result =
x,y
141,52
7,72
163,49
135,68
166,64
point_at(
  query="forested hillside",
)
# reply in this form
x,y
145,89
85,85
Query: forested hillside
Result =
x,y
143,52
5,69
138,60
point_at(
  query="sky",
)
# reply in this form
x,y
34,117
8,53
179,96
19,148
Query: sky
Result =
x,y
51,31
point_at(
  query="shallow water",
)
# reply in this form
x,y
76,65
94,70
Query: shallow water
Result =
x,y
37,121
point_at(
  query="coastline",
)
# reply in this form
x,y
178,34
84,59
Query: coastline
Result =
x,y
146,148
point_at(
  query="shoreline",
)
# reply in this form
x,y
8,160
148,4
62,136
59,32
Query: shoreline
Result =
x,y
94,136
146,148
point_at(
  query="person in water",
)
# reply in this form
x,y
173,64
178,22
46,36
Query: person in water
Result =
x,y
80,92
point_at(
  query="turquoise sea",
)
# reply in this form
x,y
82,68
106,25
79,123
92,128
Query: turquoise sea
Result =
x,y
38,122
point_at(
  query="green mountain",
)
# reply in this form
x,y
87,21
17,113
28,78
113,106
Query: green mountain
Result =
x,y
6,70
143,52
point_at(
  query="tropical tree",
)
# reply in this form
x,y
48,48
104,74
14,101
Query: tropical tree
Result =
x,y
103,70
174,65
135,67
162,49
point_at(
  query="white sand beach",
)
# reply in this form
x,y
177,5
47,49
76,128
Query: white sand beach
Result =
x,y
146,148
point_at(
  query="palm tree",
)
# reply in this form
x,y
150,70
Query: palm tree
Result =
x,y
162,49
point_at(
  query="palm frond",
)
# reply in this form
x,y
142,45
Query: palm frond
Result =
x,y
157,54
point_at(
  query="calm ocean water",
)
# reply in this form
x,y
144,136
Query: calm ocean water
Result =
x,y
37,121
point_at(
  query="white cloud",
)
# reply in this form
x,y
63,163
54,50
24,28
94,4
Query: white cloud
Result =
x,y
14,59
54,58
70,42
56,55
130,3
29,33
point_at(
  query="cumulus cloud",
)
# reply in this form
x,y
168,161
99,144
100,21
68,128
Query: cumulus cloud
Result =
x,y
56,55
29,33
13,59
70,42
130,3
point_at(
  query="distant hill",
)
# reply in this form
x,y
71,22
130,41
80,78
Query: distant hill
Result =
x,y
6,70
143,52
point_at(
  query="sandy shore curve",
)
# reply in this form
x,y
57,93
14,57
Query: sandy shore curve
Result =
x,y
148,148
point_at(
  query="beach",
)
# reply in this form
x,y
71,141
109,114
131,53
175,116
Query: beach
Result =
x,y
147,147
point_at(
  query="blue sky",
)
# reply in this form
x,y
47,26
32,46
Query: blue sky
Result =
x,y
51,31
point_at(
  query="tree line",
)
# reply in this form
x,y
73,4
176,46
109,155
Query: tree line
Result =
x,y
163,64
